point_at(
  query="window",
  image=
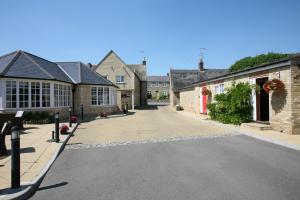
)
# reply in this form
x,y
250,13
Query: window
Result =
x,y
23,94
11,94
56,97
120,79
62,95
45,94
165,93
35,94
94,95
150,84
149,93
106,96
165,85
101,96
219,89
157,84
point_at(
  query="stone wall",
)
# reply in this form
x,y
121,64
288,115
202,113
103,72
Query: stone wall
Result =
x,y
143,86
295,88
187,100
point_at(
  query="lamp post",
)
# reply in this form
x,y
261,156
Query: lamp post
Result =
x,y
81,112
15,157
70,116
56,117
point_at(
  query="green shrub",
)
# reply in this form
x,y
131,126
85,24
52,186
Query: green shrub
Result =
x,y
233,106
249,62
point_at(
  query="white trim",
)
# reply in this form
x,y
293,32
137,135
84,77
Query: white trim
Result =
x,y
253,99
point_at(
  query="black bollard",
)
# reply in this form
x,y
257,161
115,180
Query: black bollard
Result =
x,y
70,116
56,116
81,112
15,158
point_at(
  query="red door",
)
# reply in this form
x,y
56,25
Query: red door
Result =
x,y
204,100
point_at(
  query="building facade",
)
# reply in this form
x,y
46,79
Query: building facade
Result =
x,y
31,83
158,87
131,80
180,78
280,109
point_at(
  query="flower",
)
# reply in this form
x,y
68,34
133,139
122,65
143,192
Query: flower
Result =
x,y
64,129
205,92
103,114
274,84
74,119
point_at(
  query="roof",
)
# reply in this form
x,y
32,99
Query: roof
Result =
x,y
110,52
275,64
82,74
181,78
158,78
140,70
25,65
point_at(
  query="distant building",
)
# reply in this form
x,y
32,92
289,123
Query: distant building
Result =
x,y
180,78
158,86
130,78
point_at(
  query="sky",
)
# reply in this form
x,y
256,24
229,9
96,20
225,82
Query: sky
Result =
x,y
169,33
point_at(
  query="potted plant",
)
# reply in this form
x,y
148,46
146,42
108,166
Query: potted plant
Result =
x,y
205,92
273,85
64,129
103,114
74,119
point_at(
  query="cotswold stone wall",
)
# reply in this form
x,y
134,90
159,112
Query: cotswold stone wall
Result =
x,y
280,104
295,88
187,100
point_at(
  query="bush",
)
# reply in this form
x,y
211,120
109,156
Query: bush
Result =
x,y
249,62
233,106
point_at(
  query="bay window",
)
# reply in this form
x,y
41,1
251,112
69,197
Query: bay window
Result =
x,y
102,96
36,94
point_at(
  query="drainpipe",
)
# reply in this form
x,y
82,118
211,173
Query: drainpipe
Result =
x,y
73,104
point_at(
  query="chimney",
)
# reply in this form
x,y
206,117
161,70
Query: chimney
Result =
x,y
89,65
201,65
168,74
144,61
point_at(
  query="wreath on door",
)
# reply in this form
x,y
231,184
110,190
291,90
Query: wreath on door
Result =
x,y
205,92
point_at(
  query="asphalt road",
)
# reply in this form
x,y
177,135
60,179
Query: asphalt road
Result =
x,y
233,167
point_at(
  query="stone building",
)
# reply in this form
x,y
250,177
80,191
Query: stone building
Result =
x,y
158,86
180,78
279,109
32,83
130,78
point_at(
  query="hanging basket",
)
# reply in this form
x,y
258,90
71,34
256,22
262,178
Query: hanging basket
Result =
x,y
205,92
273,85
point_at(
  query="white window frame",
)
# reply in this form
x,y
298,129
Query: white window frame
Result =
x,y
40,93
103,96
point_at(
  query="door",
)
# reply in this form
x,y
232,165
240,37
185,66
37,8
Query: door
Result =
x,y
262,101
204,102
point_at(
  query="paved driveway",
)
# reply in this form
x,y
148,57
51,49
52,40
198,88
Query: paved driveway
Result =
x,y
155,122
227,168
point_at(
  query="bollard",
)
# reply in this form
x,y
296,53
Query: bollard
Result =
x,y
56,116
52,136
81,112
70,116
15,158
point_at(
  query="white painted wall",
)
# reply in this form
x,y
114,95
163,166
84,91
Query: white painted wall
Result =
x,y
252,81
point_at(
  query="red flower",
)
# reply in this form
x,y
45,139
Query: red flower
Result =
x,y
205,92
74,119
103,114
64,129
274,84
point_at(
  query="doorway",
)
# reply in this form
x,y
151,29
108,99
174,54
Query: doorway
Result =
x,y
262,101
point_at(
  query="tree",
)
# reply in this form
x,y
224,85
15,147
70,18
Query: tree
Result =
x,y
249,62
